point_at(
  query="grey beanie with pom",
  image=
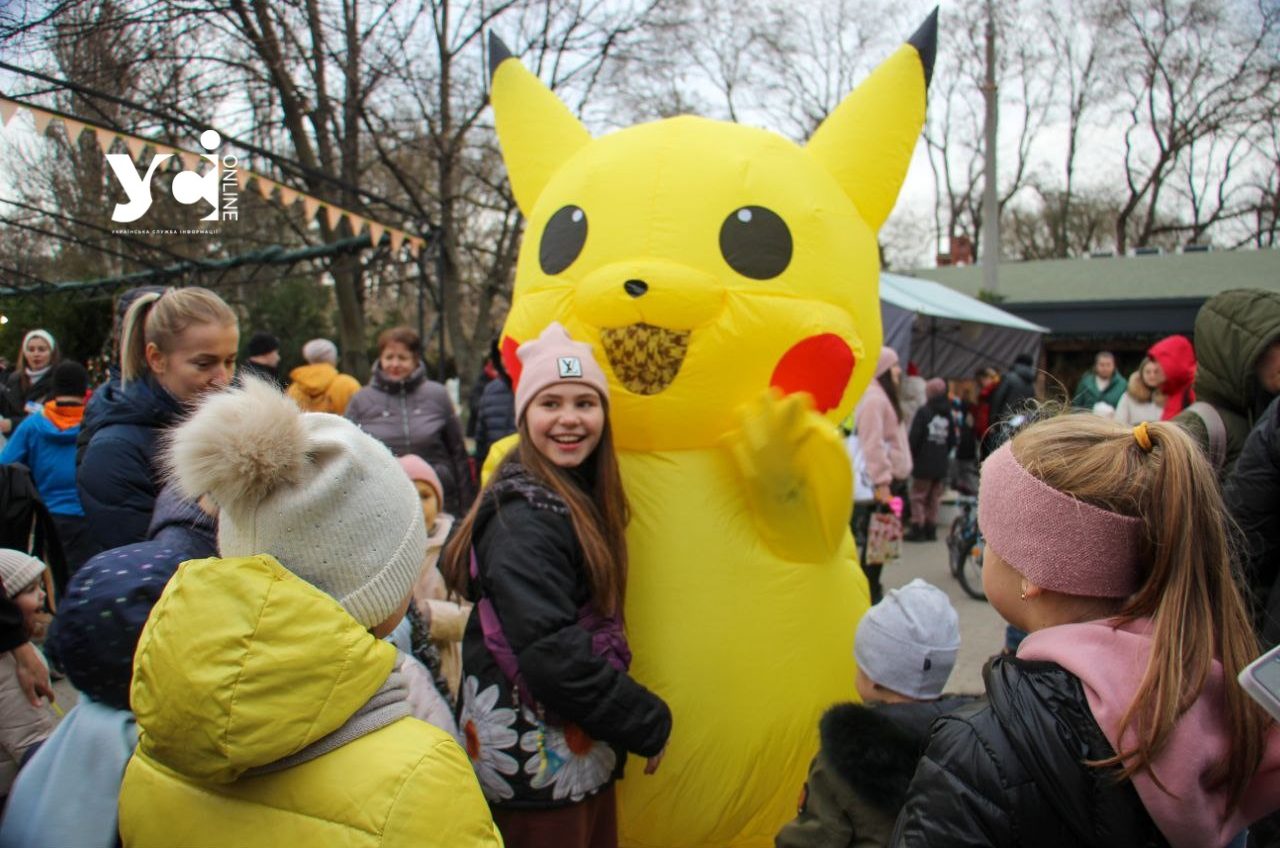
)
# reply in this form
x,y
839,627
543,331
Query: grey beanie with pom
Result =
x,y
324,498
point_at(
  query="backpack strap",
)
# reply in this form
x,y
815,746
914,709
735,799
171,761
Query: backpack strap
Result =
x,y
496,641
1216,429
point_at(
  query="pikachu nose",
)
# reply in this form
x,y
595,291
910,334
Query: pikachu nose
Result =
x,y
651,291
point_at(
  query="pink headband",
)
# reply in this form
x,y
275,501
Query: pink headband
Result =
x,y
1054,540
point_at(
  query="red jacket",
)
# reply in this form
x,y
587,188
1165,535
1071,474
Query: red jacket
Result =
x,y
1178,359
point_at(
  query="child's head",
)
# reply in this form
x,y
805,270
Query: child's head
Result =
x,y
906,645
70,381
108,599
562,397
427,482
324,498
21,575
1087,519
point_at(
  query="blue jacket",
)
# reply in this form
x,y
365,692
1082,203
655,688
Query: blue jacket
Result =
x,y
50,453
118,475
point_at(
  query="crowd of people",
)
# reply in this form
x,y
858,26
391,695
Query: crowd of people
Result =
x,y
293,613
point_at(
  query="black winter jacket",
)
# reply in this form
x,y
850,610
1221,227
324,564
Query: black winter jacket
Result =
x,y
14,399
532,570
932,436
118,477
858,782
1011,772
1253,497
495,416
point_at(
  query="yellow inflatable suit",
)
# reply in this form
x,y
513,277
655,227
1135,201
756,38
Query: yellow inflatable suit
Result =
x,y
727,280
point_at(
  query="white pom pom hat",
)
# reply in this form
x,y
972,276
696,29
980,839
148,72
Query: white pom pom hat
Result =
x,y
328,501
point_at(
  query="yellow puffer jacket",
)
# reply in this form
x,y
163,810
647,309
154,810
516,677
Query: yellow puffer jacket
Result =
x,y
321,388
242,664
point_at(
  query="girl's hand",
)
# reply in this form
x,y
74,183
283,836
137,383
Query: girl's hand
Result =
x,y
653,762
882,494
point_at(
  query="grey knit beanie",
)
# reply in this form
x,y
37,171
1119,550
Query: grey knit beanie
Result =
x,y
324,498
908,642
17,570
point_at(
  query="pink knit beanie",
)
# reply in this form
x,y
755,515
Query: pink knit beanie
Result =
x,y
1053,539
888,359
419,469
553,358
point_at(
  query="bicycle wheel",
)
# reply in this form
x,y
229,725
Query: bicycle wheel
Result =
x,y
969,572
956,546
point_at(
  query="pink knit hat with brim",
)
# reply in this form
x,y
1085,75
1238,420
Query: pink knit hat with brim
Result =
x,y
554,358
1054,540
419,469
888,359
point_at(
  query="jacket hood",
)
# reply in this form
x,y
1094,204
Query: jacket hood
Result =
x,y
1026,372
143,402
383,383
1110,660
242,664
314,380
1178,359
1232,331
64,418
49,430
182,524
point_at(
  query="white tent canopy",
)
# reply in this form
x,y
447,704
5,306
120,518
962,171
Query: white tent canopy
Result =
x,y
949,334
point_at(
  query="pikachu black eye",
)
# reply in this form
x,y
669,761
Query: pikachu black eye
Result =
x,y
562,240
756,242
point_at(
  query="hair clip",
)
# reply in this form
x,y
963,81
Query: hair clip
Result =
x,y
1142,437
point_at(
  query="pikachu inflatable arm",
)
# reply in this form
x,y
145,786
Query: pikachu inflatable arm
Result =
x,y
727,280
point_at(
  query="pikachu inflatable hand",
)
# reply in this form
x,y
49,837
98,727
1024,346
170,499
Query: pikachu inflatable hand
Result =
x,y
796,476
727,281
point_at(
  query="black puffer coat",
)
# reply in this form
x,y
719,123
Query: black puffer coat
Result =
x,y
532,569
1011,772
1253,497
932,436
14,398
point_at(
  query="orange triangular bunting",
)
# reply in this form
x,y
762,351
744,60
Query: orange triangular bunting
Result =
x,y
73,128
288,196
309,207
105,138
357,224
135,145
334,216
397,241
42,119
264,187
7,110
375,233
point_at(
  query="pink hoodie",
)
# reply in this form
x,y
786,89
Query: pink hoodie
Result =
x,y
1110,664
881,436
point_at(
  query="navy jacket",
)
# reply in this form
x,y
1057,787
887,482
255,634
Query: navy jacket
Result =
x,y
117,475
495,416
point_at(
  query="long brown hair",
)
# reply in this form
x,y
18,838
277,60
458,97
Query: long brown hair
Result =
x,y
599,519
1188,589
891,389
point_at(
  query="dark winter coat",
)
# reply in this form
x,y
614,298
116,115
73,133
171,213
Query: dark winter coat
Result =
x,y
495,416
532,569
118,475
1233,329
1010,772
12,631
415,416
932,436
1253,497
858,782
14,398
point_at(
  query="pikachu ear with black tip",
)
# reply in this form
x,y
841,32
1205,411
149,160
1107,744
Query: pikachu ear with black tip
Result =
x,y
536,130
866,143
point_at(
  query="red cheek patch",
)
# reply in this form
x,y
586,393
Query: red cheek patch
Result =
x,y
820,365
510,361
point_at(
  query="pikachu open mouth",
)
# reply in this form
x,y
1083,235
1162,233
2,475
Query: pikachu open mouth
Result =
x,y
645,358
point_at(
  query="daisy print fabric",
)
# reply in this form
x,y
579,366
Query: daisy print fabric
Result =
x,y
489,736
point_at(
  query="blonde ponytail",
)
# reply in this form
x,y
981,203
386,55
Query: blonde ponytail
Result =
x,y
161,319
1188,589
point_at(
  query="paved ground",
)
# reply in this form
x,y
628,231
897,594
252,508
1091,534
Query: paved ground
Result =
x,y
981,628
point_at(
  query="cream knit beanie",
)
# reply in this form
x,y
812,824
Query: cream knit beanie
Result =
x,y
324,498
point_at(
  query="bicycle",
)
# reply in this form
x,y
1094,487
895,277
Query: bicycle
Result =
x,y
965,546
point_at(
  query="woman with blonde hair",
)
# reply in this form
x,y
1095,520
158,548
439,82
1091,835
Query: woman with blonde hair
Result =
x,y
1119,722
1142,400
28,386
176,346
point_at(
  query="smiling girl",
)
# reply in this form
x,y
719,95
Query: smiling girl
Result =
x,y
548,709
28,386
176,346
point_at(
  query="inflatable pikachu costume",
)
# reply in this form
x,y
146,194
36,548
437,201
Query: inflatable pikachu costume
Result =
x,y
728,281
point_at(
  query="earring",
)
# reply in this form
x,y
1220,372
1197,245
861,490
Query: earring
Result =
x,y
1024,590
